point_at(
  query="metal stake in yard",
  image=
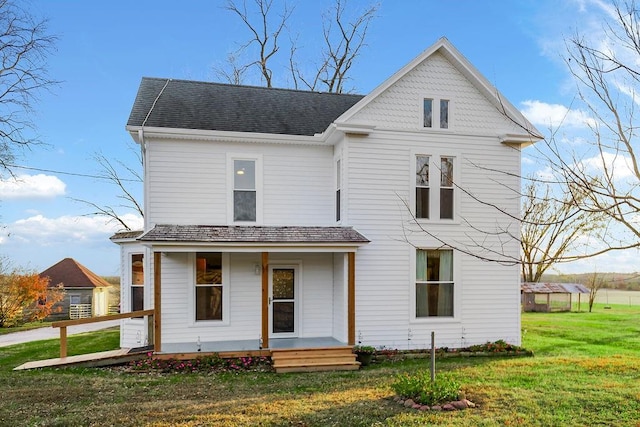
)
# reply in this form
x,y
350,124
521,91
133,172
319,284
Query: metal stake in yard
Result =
x,y
433,356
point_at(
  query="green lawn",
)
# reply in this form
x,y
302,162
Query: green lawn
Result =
x,y
586,371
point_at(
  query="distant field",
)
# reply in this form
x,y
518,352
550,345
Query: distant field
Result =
x,y
613,296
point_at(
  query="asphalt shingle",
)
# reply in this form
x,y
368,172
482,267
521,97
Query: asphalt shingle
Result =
x,y
185,104
252,234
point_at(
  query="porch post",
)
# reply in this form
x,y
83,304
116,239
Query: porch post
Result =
x,y
265,300
157,340
351,299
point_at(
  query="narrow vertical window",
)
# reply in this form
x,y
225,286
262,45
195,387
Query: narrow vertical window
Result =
x,y
444,113
338,185
446,187
208,286
137,282
244,190
428,112
422,186
434,283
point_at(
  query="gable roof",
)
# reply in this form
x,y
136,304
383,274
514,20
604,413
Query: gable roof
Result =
x,y
72,274
183,104
529,133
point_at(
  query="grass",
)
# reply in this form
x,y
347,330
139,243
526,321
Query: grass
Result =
x,y
586,372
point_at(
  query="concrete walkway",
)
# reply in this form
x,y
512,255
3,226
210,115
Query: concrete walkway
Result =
x,y
49,332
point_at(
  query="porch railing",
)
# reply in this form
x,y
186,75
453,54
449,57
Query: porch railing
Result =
x,y
63,324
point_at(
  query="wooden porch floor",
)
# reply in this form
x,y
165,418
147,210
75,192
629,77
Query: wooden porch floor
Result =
x,y
287,354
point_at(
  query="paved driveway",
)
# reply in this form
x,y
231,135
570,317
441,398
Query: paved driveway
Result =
x,y
49,332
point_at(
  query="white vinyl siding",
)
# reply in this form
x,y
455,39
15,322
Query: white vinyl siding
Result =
x,y
378,183
189,183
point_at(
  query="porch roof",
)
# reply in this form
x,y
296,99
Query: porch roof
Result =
x,y
253,235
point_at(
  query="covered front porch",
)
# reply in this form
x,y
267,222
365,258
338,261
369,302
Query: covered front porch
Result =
x,y
272,288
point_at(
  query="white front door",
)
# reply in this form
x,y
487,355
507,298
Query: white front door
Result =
x,y
283,301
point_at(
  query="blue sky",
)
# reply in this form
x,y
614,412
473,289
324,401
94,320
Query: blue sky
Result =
x,y
104,48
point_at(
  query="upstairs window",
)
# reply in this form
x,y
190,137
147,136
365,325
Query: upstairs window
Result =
x,y
434,195
434,117
137,282
244,190
446,187
422,186
434,283
428,112
444,114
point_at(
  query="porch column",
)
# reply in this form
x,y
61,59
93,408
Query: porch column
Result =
x,y
351,299
157,341
265,300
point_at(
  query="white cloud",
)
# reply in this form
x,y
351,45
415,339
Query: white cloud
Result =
x,y
65,230
31,187
555,115
618,165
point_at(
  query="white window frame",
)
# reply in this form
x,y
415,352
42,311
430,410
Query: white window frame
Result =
x,y
125,288
434,185
435,112
457,288
191,279
231,158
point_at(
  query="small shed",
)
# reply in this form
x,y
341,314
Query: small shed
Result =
x,y
86,293
548,297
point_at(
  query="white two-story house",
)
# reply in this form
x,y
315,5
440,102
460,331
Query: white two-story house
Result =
x,y
279,216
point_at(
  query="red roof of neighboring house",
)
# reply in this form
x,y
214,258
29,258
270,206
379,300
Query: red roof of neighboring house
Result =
x,y
72,274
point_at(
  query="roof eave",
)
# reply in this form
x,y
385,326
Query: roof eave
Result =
x,y
217,135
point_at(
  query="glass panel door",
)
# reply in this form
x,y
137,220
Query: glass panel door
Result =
x,y
283,295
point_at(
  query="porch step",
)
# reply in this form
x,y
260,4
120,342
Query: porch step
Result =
x,y
314,359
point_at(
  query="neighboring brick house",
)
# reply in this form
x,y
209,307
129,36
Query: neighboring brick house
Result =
x,y
276,215
86,293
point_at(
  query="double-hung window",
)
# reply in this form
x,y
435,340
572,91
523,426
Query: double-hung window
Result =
x,y
208,286
434,283
137,281
434,187
446,187
422,186
244,190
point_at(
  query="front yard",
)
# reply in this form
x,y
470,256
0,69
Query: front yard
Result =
x,y
586,371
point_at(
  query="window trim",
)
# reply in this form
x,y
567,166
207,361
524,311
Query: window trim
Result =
x,y
191,280
257,158
434,185
457,288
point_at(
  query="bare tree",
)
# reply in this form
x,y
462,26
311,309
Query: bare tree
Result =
x,y
553,229
343,39
264,34
124,177
608,78
24,47
594,283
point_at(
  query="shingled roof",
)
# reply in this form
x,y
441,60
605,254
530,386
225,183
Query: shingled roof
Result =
x,y
185,104
72,274
252,234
